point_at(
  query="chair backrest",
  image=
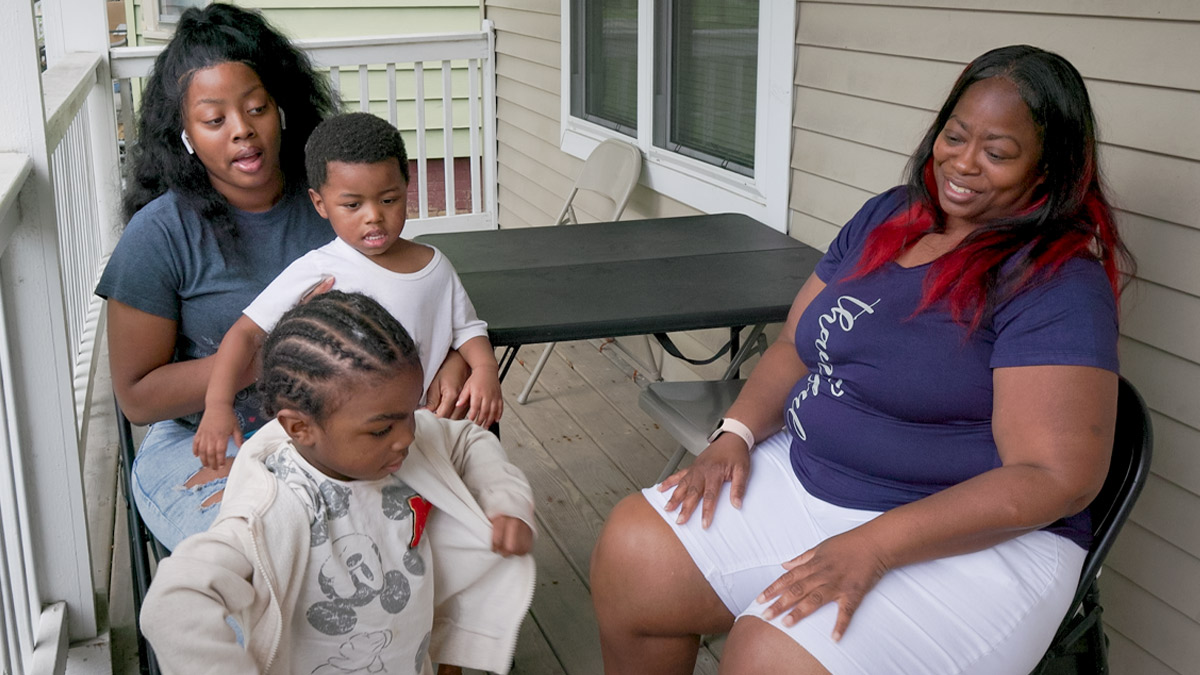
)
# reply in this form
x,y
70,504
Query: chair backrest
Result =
x,y
611,171
144,550
1127,473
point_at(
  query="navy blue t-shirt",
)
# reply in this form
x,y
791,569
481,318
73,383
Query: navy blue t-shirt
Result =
x,y
897,405
167,263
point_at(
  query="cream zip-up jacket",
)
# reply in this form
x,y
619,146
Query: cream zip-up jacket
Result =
x,y
250,564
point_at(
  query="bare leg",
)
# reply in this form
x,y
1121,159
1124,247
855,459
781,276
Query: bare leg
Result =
x,y
651,601
205,476
755,646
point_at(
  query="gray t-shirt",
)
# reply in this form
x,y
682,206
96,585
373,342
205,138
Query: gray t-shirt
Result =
x,y
168,264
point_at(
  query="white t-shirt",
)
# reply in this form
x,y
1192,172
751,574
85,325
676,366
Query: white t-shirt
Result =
x,y
367,602
431,303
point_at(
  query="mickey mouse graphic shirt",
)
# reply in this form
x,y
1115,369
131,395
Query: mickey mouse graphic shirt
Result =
x,y
367,606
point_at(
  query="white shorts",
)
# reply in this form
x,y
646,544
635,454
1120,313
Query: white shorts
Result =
x,y
990,612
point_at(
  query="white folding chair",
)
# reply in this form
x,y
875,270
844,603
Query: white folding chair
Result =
x,y
609,175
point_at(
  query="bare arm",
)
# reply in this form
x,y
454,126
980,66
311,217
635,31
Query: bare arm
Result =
x,y
760,407
760,404
148,385
447,382
235,356
1053,427
482,388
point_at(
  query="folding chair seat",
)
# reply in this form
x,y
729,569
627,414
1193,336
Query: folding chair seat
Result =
x,y
690,410
144,549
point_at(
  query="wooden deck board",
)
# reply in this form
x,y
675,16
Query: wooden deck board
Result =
x,y
584,444
618,387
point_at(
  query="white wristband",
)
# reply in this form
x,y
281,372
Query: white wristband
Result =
x,y
736,428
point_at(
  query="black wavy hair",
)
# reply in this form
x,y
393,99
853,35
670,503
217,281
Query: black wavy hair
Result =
x,y
216,34
1070,215
317,346
354,138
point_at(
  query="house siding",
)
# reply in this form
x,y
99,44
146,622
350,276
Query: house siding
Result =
x,y
869,77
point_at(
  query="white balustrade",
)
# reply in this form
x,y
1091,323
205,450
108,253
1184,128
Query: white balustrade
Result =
x,y
59,197
464,74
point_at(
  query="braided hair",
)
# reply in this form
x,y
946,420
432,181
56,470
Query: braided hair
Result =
x,y
318,345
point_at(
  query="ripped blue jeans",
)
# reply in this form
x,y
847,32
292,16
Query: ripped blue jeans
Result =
x,y
162,468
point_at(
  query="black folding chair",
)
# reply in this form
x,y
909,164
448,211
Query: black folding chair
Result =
x,y
144,549
1080,645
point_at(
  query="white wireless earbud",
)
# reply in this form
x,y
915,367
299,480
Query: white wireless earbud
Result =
x,y
186,143
282,119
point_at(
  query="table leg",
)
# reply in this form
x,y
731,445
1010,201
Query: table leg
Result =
x,y
740,355
507,358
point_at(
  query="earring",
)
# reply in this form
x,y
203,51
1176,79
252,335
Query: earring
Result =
x,y
282,119
186,143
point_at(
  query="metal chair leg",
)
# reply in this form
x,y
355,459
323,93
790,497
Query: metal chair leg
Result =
x,y
537,370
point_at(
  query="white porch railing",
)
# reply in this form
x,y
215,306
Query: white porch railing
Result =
x,y
369,57
58,188
59,196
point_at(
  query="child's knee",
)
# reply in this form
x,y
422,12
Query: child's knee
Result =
x,y
205,475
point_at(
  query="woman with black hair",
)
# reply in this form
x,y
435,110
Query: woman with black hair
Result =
x,y
946,383
217,207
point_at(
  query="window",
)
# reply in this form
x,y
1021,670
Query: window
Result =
x,y
604,64
703,87
162,15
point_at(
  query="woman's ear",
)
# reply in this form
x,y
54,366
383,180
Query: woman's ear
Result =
x,y
298,425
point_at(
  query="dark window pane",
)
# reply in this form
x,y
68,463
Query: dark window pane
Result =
x,y
604,63
707,81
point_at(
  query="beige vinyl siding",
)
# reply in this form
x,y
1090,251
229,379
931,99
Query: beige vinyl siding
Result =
x,y
868,78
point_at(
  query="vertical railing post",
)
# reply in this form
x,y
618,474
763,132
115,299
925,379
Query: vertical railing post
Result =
x,y
82,26
71,25
489,125
38,357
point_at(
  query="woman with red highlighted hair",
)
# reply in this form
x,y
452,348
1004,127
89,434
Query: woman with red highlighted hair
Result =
x,y
908,468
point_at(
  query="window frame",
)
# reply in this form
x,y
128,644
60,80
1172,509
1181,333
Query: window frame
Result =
x,y
703,186
159,26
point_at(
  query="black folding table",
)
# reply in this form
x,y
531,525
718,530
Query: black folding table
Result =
x,y
631,277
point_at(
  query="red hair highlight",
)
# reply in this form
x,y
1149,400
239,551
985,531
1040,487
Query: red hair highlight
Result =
x,y
968,278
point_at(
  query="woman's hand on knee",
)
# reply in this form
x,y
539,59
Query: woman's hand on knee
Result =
x,y
841,569
725,460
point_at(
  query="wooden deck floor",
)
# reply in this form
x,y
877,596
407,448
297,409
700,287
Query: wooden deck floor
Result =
x,y
584,445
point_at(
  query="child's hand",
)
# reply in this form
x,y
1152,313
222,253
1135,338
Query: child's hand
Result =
x,y
482,392
447,382
212,436
511,536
